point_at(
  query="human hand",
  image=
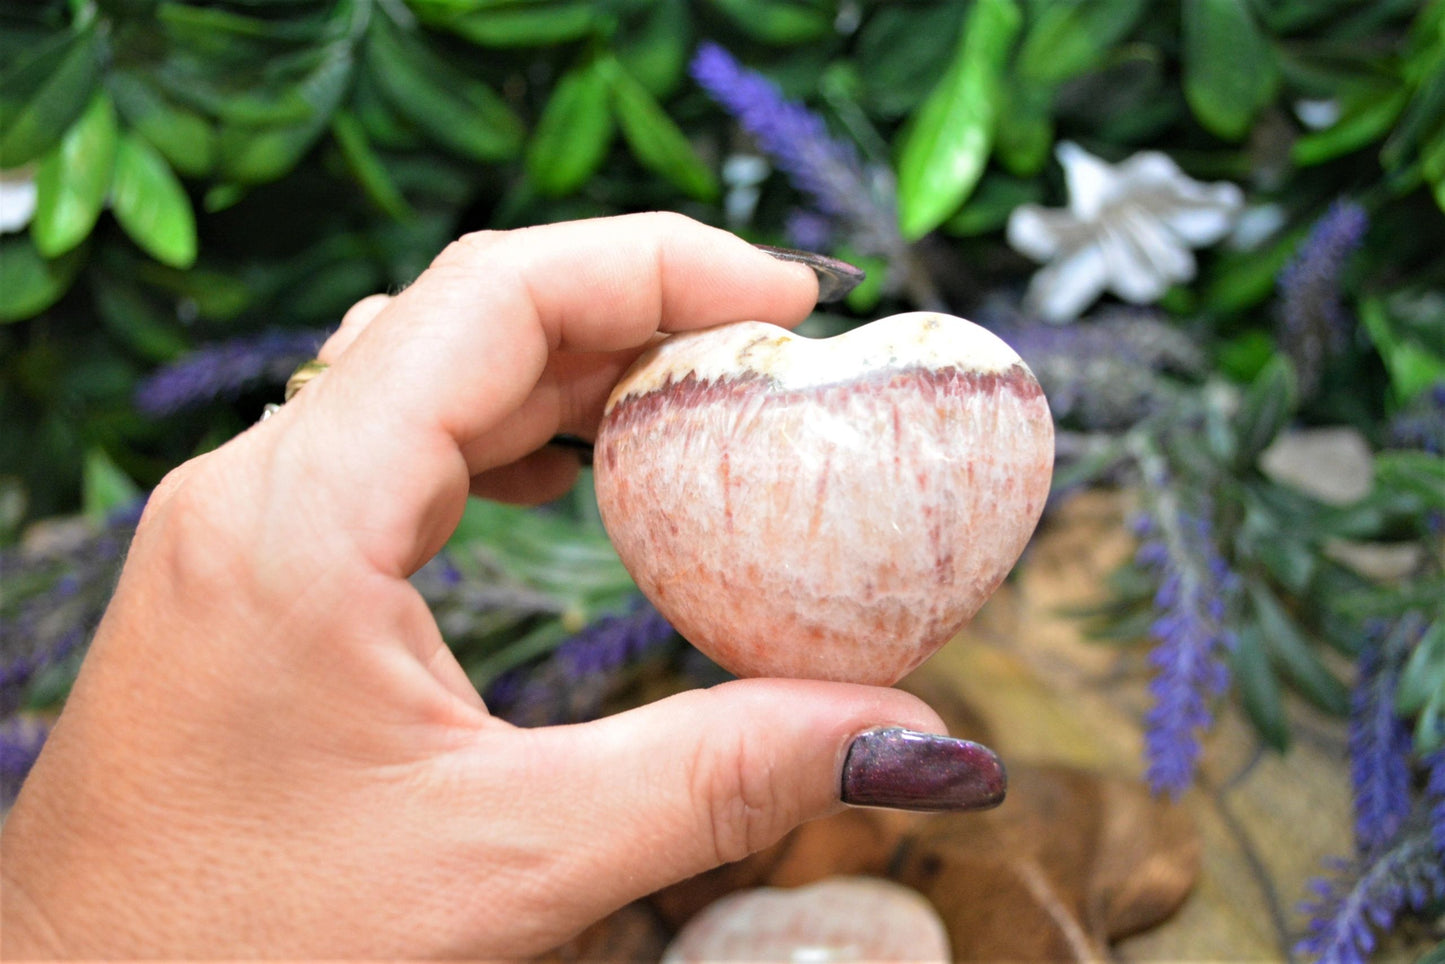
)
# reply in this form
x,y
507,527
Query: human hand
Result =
x,y
270,749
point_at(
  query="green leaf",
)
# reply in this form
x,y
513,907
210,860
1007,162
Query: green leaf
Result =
x,y
458,112
1259,690
51,686
565,558
1229,70
777,21
1432,166
1421,117
532,645
656,142
136,321
526,25
902,50
866,296
1025,130
151,205
104,486
222,196
366,167
1277,538
187,139
28,57
200,27
1243,356
41,97
1366,115
29,283
73,180
1422,687
1071,37
1422,681
1429,737
574,132
1292,653
1133,98
217,296
1243,279
1266,408
1413,368
990,206
257,155
253,154
656,50
948,139
1419,473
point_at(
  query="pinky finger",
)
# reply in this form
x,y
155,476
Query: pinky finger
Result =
x,y
352,324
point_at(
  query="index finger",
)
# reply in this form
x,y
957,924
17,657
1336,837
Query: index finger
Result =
x,y
448,360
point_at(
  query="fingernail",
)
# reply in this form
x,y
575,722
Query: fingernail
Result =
x,y
904,770
835,278
572,443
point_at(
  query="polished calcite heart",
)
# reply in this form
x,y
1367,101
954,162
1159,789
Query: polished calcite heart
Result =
x,y
830,509
838,919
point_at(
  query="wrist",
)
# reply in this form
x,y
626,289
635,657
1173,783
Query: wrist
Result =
x,y
26,930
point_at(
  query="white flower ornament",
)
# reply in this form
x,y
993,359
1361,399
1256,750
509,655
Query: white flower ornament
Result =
x,y
1128,229
17,198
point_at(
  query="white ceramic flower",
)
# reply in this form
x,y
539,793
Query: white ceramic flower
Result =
x,y
1128,229
17,198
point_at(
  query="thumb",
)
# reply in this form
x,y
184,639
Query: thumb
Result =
x,y
709,776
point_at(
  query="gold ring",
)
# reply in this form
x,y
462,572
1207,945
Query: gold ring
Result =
x,y
302,375
307,371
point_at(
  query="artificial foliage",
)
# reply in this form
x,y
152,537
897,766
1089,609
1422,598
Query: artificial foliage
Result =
x,y
192,194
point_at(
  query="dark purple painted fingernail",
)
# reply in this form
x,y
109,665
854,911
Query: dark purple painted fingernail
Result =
x,y
905,770
835,278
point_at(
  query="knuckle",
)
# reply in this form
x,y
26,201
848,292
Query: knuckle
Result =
x,y
738,795
365,309
466,249
669,222
670,227
179,530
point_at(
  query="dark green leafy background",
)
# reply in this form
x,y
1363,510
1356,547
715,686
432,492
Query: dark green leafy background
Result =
x,y
208,170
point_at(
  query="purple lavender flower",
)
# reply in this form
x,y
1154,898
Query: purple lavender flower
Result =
x,y
571,684
1435,791
1313,321
224,370
20,741
1380,742
480,602
1367,895
1196,592
53,590
1104,375
828,171
809,230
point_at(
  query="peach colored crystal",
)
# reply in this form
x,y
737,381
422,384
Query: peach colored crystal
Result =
x,y
839,919
831,509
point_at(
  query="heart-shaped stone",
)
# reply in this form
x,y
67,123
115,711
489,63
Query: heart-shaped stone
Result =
x,y
834,920
830,509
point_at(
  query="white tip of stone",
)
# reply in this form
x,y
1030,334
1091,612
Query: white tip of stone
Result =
x,y
918,339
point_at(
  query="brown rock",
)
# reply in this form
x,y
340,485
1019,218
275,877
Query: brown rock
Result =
x,y
1070,862
633,933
